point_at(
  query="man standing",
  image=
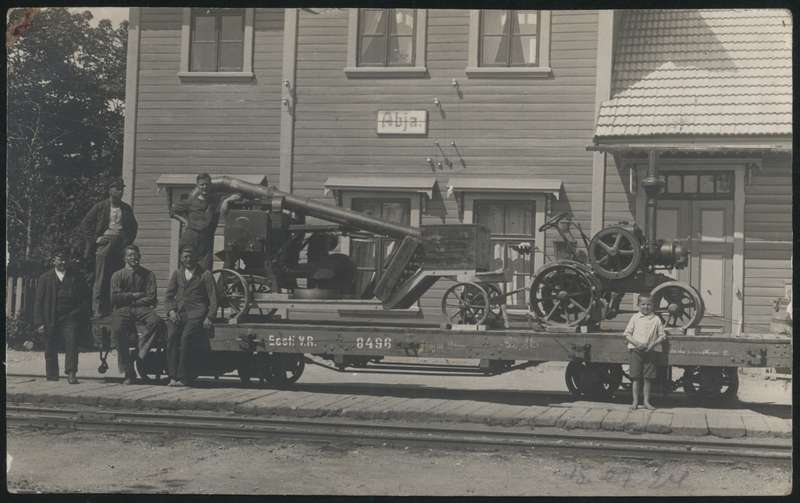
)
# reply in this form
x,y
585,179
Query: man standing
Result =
x,y
199,214
109,227
191,301
133,299
60,310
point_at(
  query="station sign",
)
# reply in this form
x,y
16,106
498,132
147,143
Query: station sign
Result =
x,y
412,122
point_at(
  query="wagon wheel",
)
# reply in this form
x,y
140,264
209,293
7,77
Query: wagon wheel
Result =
x,y
152,369
593,380
260,285
282,369
562,294
615,253
677,304
233,294
710,383
465,303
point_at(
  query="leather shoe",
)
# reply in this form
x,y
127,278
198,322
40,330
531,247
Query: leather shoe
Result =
x,y
72,378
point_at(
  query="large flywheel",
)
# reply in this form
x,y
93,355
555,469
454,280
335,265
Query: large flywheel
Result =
x,y
564,293
615,252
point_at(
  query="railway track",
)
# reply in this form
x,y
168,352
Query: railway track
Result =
x,y
210,425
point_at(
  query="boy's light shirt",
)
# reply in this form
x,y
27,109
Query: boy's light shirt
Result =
x,y
644,329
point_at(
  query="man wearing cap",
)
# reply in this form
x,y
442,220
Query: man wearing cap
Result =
x,y
133,298
109,227
199,214
190,302
61,307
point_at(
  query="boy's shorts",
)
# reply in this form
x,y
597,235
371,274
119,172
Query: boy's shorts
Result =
x,y
643,364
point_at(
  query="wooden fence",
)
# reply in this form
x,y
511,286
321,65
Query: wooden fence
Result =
x,y
20,294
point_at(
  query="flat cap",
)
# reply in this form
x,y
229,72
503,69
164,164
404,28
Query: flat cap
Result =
x,y
116,182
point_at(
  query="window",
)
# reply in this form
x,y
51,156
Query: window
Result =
x,y
716,185
371,254
509,43
386,37
386,43
217,43
217,40
510,223
508,37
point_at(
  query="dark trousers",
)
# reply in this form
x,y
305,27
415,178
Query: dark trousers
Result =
x,y
68,332
203,245
108,258
124,323
187,340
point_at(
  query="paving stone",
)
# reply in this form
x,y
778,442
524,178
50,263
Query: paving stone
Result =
x,y
781,428
266,404
418,408
382,407
466,410
529,414
692,424
722,424
755,425
570,419
636,421
659,422
615,420
503,414
593,419
320,405
549,417
353,406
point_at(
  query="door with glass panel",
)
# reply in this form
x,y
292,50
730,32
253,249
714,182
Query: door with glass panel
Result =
x,y
698,211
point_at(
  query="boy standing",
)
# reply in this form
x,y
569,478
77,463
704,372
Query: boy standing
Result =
x,y
644,332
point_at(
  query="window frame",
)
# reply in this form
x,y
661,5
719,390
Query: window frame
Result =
x,y
419,65
542,67
184,74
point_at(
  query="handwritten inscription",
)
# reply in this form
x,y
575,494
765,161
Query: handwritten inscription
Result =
x,y
303,341
373,343
625,476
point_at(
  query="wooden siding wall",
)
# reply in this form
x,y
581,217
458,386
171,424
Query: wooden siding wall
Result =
x,y
191,127
768,245
504,126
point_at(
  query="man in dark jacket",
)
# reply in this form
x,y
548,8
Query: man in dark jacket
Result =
x,y
134,300
199,214
109,227
60,310
191,301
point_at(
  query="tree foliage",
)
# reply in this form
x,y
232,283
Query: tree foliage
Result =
x,y
65,117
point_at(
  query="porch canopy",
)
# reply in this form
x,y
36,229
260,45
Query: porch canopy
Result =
x,y
504,184
381,183
643,149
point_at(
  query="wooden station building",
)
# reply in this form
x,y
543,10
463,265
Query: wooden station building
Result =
x,y
497,117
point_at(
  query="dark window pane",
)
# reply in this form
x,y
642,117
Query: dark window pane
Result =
x,y
230,57
493,22
491,216
724,183
372,22
363,252
706,184
204,29
373,51
401,51
519,218
525,22
402,23
232,28
203,57
396,211
367,206
494,51
523,50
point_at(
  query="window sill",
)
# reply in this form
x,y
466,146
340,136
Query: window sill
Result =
x,y
385,72
215,76
533,72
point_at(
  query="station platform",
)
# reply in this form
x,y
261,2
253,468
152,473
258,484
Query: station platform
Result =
x,y
358,396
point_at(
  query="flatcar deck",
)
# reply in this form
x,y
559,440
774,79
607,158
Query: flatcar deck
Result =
x,y
713,350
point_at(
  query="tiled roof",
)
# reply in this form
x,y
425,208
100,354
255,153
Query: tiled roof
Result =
x,y
700,72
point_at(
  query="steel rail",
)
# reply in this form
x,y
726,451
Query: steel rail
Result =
x,y
93,419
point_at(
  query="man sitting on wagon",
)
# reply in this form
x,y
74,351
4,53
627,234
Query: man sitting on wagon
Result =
x,y
191,301
133,299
